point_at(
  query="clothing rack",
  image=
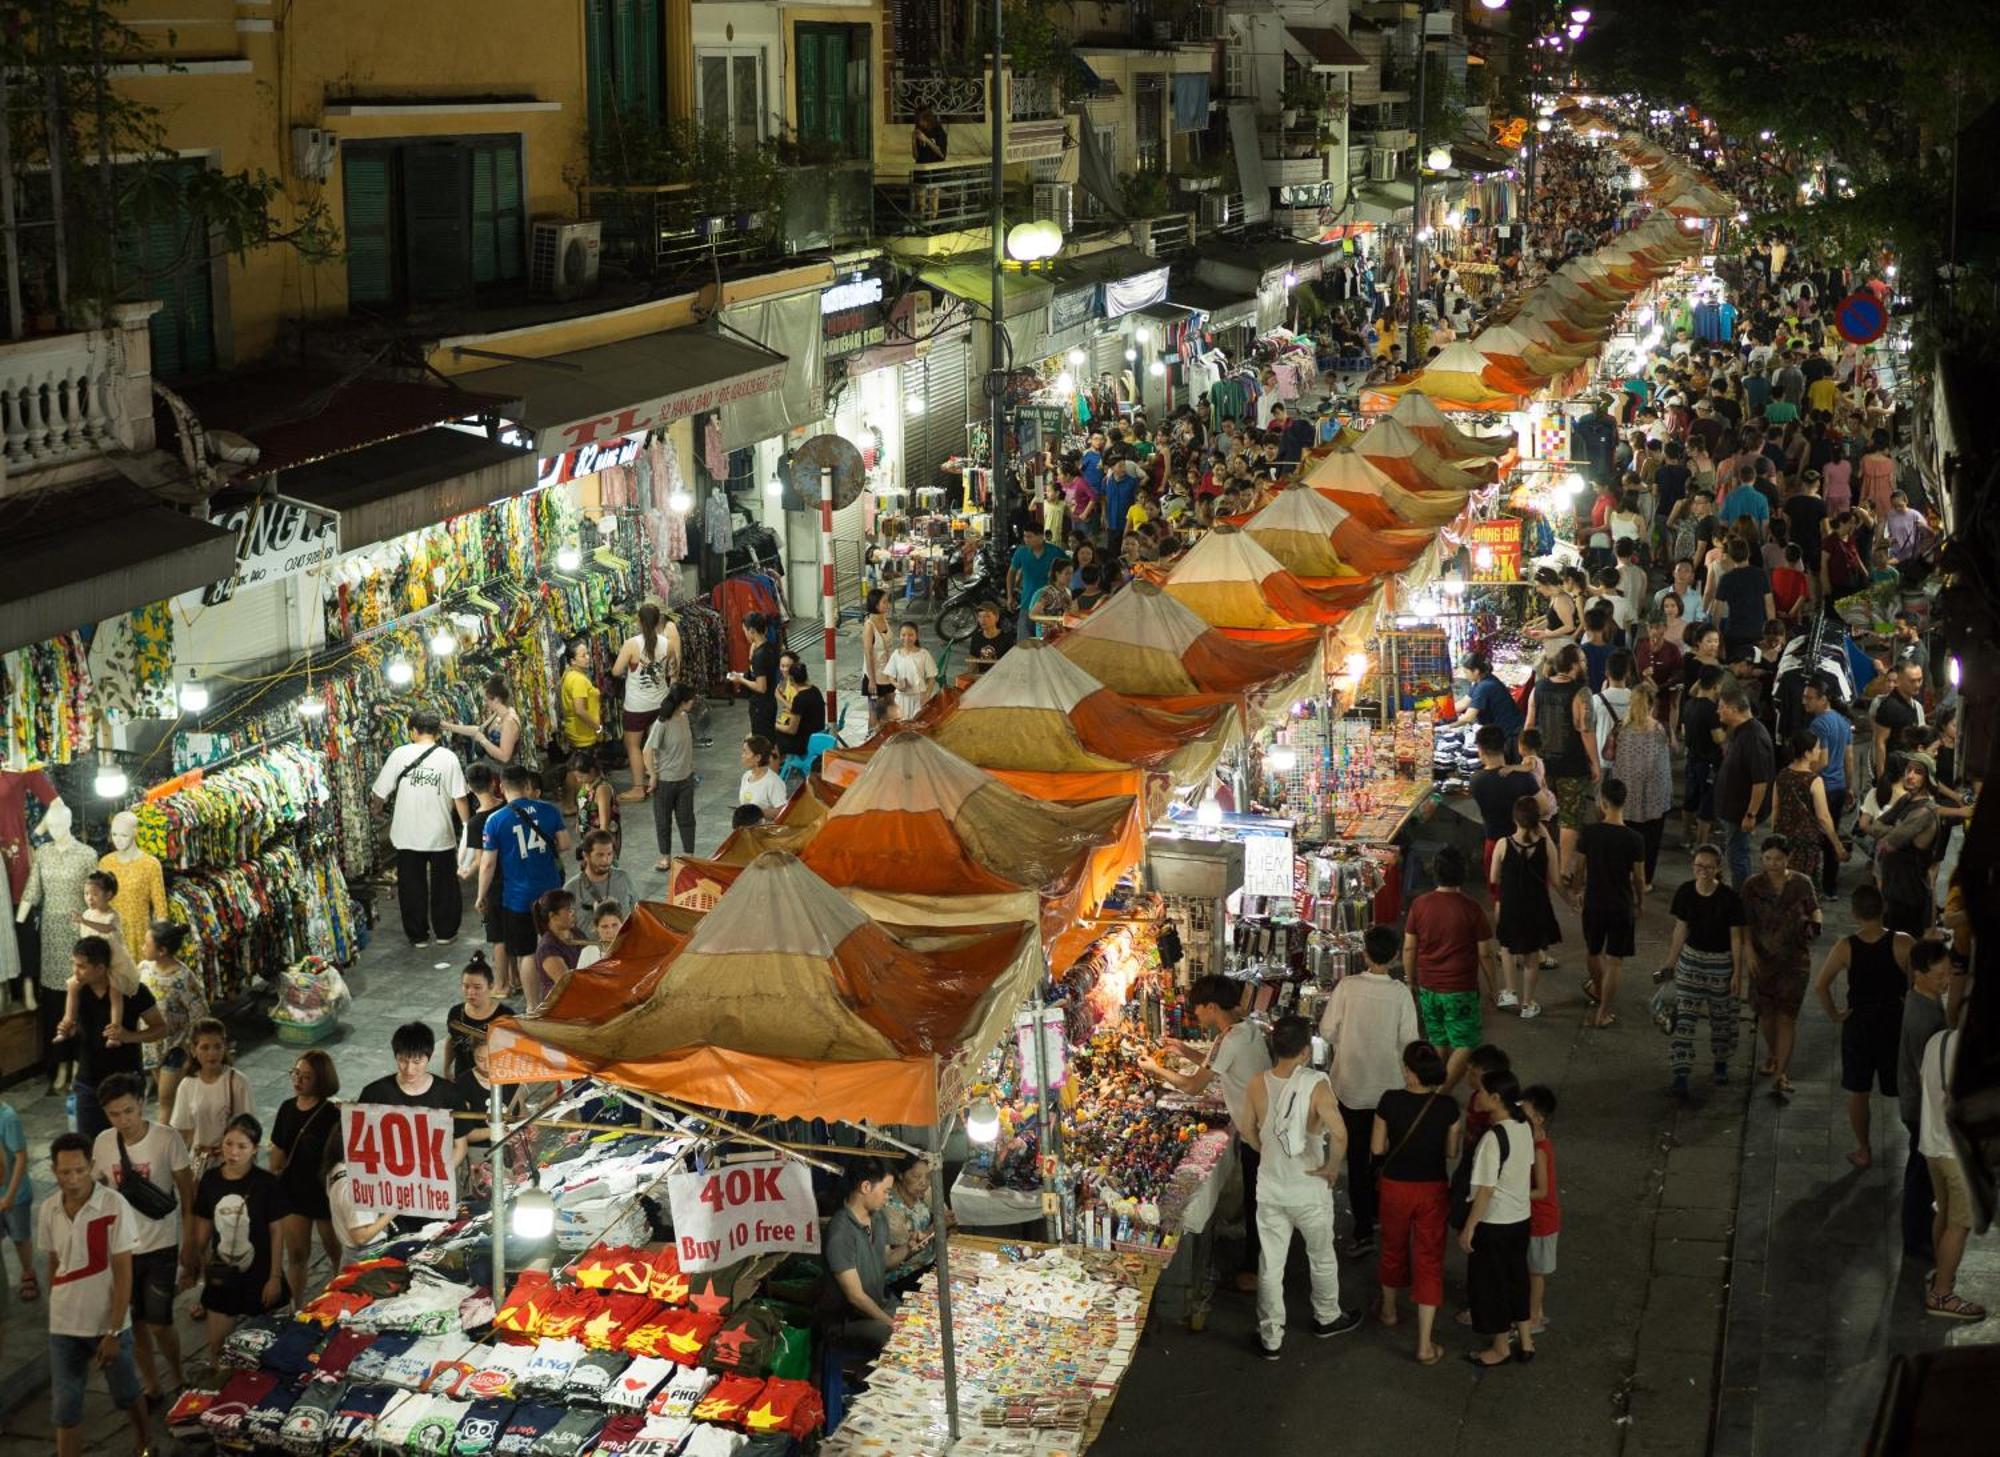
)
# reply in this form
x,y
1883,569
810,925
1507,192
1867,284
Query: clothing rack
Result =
x,y
261,746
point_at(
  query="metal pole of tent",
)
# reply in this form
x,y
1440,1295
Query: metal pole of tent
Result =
x,y
1051,1142
497,1130
829,609
946,1340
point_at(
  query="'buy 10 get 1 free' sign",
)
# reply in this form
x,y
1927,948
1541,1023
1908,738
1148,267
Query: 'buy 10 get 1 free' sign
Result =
x,y
399,1160
732,1211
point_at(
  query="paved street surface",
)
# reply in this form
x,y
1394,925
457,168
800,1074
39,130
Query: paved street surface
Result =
x,y
1734,1215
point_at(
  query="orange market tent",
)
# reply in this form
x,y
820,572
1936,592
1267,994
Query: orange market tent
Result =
x,y
1519,348
652,935
1437,487
1298,528
1231,582
1458,378
789,1001
1035,709
923,838
1144,643
1374,539
1417,412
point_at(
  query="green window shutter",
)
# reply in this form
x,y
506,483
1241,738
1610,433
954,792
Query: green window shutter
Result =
x,y
437,221
597,67
161,258
811,84
496,212
371,272
650,62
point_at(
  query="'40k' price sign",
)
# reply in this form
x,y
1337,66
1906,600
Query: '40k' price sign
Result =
x,y
399,1160
730,1212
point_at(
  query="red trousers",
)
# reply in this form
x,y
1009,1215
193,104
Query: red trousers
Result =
x,y
1411,1228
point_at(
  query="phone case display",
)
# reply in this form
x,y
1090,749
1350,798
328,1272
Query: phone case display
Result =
x,y
1043,1338
1422,664
1345,882
1195,924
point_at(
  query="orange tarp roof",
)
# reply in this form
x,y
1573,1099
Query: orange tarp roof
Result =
x,y
1143,642
1229,581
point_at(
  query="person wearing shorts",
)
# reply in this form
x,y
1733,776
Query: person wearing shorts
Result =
x,y
1876,962
86,1232
521,844
157,1153
1448,952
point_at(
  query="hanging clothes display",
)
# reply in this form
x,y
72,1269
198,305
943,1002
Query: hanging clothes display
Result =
x,y
45,699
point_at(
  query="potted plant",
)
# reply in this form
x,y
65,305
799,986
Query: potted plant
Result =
x,y
1303,95
1144,194
1203,173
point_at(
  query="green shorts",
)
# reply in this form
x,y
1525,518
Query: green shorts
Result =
x,y
1573,800
1451,1019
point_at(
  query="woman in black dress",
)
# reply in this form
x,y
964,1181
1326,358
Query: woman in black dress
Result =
x,y
1524,867
236,1232
299,1135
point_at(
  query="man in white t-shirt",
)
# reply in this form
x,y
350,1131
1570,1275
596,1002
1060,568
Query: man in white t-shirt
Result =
x,y
1236,1054
158,1154
86,1232
1951,1225
1368,1022
427,783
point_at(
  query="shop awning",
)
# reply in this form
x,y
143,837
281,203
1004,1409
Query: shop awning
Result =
x,y
1384,202
1126,278
75,555
1323,49
1225,309
297,416
1471,156
591,395
1092,86
407,484
973,282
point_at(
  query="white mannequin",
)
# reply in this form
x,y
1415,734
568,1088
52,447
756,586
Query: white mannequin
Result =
x,y
124,830
56,824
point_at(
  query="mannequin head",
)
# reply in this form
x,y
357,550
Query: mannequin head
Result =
x,y
124,830
56,822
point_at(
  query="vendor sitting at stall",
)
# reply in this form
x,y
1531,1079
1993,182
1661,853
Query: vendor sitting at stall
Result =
x,y
911,1226
855,1306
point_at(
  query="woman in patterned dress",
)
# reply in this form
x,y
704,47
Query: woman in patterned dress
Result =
x,y
1802,815
1781,913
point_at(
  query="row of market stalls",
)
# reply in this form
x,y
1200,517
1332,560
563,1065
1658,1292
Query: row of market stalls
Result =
x,y
978,923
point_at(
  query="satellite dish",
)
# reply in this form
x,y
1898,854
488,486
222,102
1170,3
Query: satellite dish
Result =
x,y
824,452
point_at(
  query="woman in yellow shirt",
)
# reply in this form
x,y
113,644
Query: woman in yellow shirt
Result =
x,y
582,704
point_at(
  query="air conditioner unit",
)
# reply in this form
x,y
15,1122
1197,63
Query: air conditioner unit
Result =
x,y
1381,165
562,262
1056,203
1215,209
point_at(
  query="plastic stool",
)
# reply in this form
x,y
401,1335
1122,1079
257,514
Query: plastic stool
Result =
x,y
833,1363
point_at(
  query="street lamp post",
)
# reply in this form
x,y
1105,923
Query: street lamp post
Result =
x,y
1417,191
996,391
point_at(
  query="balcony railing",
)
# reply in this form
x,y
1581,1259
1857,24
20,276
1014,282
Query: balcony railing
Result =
x,y
1151,155
66,398
950,96
937,197
670,229
1033,98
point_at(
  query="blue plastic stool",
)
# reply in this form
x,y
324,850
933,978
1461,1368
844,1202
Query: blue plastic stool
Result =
x,y
804,763
833,1361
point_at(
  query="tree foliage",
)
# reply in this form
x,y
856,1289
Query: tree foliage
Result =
x,y
119,174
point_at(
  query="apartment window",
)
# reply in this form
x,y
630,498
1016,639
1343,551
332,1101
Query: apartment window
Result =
x,y
623,62
167,257
731,93
1236,66
832,85
431,221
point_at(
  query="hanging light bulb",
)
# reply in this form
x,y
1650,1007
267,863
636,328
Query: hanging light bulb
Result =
x,y
400,673
607,524
1143,335
1494,4
1356,664
193,696
982,1122
914,405
1131,356
1282,758
1451,584
1066,383
1438,159
1952,671
679,501
444,642
774,488
1291,279
1454,218
1482,558
110,782
1156,369
532,1214
1077,359
1544,124
568,558
311,707
1209,812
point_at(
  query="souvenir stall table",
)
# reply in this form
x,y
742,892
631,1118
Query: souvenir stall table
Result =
x,y
1044,1336
601,1339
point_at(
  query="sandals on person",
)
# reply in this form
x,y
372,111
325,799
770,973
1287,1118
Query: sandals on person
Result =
x,y
1766,1068
1952,1307
663,865
1436,1355
1782,1086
